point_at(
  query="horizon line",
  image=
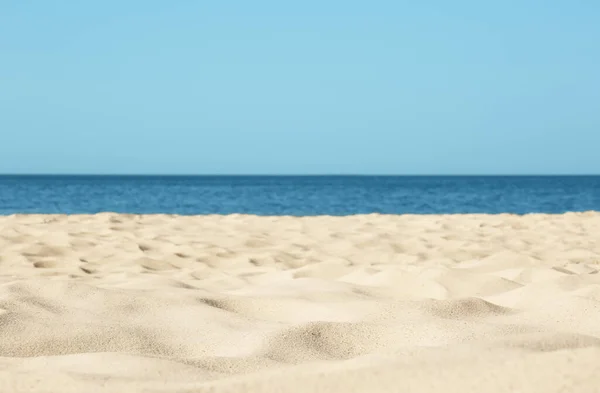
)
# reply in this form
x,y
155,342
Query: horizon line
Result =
x,y
294,175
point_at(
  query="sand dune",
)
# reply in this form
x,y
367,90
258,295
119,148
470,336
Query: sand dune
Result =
x,y
160,303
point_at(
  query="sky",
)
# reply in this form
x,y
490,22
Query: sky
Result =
x,y
306,87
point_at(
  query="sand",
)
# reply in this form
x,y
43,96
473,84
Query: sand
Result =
x,y
373,303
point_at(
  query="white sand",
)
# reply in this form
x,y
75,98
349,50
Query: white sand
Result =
x,y
476,303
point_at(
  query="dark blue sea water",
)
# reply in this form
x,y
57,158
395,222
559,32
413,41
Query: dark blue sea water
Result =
x,y
299,196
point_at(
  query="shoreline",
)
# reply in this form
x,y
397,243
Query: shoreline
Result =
x,y
107,213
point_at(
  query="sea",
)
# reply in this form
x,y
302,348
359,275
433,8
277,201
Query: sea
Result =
x,y
298,195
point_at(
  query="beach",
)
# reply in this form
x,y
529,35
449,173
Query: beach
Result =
x,y
243,303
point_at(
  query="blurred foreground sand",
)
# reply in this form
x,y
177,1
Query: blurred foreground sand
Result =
x,y
158,303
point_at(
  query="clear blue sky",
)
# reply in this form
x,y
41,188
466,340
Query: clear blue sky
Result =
x,y
304,87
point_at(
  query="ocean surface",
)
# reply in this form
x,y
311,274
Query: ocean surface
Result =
x,y
298,195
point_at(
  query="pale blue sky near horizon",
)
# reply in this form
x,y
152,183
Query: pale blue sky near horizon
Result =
x,y
311,87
